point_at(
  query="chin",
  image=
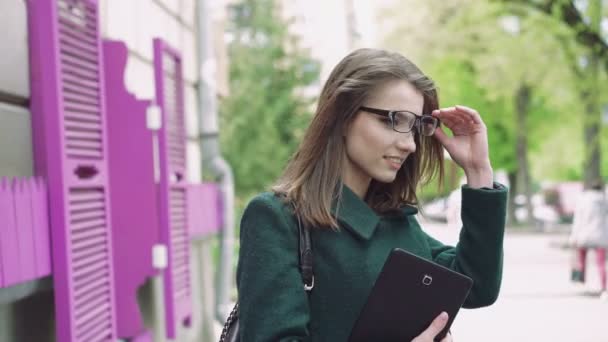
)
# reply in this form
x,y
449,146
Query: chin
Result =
x,y
386,177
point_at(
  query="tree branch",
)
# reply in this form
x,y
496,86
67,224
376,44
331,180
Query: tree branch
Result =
x,y
566,12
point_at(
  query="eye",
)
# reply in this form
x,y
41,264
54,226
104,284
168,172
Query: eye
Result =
x,y
386,121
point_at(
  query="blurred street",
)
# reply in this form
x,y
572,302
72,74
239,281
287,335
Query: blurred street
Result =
x,y
537,301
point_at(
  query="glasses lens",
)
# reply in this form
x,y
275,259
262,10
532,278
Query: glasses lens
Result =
x,y
428,124
403,121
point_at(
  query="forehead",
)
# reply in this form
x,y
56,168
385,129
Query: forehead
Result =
x,y
396,95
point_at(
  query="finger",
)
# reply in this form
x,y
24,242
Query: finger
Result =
x,y
459,116
460,122
468,115
448,120
447,109
447,338
453,115
457,126
435,328
471,112
441,136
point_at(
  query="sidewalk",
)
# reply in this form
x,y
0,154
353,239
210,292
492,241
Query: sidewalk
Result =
x,y
537,301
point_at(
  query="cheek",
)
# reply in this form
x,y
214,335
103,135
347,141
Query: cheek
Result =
x,y
376,140
367,145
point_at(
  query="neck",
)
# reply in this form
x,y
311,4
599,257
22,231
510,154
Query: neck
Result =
x,y
357,183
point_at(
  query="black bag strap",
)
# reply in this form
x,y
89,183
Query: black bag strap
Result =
x,y
230,331
305,255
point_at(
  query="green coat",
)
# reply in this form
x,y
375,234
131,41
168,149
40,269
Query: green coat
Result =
x,y
273,304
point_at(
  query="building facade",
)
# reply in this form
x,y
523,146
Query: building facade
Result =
x,y
99,97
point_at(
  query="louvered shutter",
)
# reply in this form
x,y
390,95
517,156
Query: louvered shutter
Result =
x,y
24,231
42,239
9,252
172,187
70,152
4,199
22,190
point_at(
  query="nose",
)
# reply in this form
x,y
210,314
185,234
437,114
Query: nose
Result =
x,y
405,142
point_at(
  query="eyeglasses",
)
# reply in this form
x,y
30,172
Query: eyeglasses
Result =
x,y
404,121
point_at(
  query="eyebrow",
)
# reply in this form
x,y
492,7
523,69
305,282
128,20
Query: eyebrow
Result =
x,y
385,111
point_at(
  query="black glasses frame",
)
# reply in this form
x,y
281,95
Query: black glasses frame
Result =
x,y
391,115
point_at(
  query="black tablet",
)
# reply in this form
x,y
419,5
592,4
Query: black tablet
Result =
x,y
408,294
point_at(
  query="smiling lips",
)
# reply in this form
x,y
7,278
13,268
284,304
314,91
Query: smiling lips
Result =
x,y
394,162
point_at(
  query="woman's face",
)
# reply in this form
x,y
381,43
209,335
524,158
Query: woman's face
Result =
x,y
374,150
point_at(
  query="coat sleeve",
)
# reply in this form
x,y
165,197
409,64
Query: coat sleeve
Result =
x,y
272,302
479,252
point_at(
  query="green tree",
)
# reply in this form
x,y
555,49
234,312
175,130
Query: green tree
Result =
x,y
505,75
585,24
566,11
266,112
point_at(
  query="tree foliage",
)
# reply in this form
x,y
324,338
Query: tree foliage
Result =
x,y
266,112
583,19
480,53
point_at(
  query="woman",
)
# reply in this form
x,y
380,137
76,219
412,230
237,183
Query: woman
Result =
x,y
590,231
353,181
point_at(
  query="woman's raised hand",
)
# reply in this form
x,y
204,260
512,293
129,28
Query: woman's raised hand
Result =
x,y
469,145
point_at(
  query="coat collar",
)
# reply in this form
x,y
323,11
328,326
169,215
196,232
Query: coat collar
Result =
x,y
358,217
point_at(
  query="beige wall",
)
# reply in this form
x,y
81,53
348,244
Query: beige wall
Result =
x,y
331,29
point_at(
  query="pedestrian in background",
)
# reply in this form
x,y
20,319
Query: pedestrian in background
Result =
x,y
590,231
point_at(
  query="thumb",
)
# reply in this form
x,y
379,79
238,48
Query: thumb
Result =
x,y
441,136
434,329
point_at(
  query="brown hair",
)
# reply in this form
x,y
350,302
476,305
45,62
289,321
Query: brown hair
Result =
x,y
313,177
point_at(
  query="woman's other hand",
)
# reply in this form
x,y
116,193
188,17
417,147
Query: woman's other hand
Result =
x,y
435,328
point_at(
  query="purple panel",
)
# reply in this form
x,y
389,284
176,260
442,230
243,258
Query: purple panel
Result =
x,y
23,221
42,241
67,104
9,252
172,187
143,337
3,226
204,209
135,227
22,226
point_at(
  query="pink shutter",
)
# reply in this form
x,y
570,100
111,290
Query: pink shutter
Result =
x,y
204,209
24,231
134,199
9,252
25,234
40,221
172,187
3,227
70,152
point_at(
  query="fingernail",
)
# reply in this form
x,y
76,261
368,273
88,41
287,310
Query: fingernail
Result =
x,y
443,316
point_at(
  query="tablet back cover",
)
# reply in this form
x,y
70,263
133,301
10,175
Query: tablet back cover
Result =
x,y
408,294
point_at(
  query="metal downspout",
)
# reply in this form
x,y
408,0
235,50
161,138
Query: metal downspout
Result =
x,y
212,160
